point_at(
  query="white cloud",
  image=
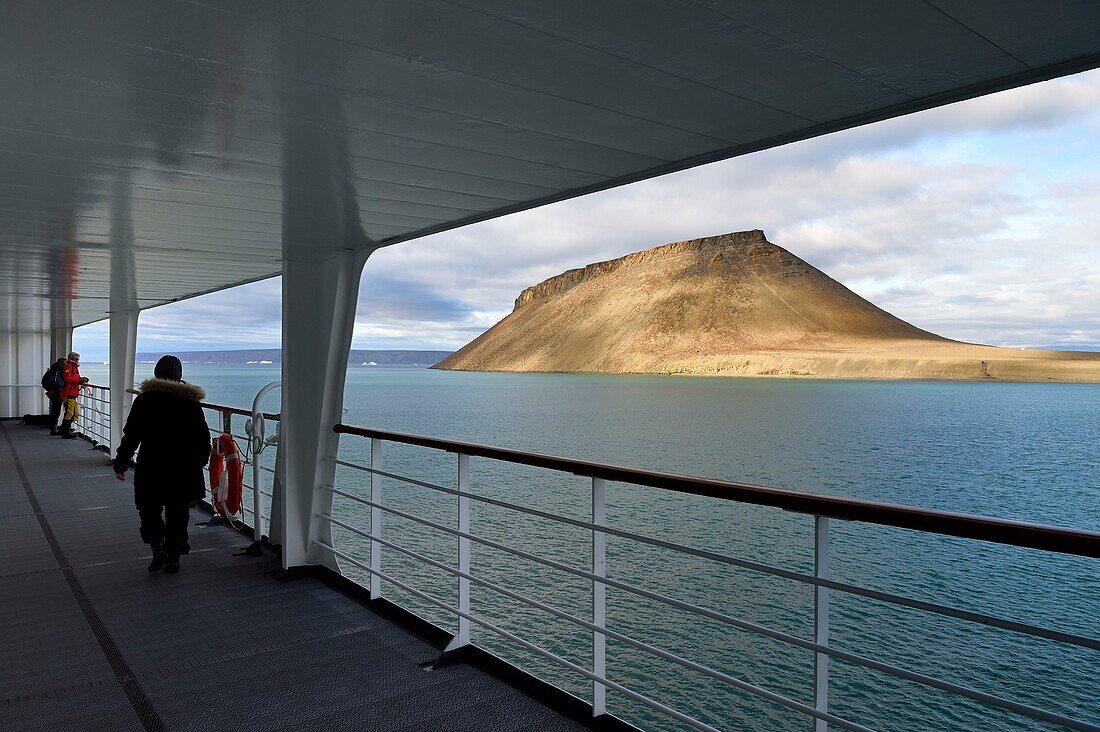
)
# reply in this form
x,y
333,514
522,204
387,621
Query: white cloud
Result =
x,y
994,248
978,220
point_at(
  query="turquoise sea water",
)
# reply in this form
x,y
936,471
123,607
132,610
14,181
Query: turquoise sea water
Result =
x,y
1021,451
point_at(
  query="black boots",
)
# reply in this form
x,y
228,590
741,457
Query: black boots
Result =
x,y
67,430
159,559
162,560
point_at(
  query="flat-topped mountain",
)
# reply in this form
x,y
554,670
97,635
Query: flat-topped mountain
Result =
x,y
735,305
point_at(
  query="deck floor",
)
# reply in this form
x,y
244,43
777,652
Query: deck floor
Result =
x,y
91,641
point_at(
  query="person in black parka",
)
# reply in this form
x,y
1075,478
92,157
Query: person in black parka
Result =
x,y
168,424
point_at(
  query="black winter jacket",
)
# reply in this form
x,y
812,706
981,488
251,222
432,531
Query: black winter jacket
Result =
x,y
168,424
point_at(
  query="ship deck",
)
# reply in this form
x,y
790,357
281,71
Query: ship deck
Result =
x,y
90,640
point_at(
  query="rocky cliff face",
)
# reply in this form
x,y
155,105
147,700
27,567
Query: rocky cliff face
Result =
x,y
570,278
730,304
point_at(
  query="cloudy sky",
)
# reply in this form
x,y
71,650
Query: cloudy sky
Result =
x,y
979,221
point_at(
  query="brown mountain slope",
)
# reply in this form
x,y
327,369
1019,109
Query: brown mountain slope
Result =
x,y
734,305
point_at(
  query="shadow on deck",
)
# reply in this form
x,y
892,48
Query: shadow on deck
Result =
x,y
90,640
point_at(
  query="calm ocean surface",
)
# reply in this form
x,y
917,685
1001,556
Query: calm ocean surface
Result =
x,y
1021,451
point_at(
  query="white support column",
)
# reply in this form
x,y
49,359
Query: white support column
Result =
x,y
123,351
599,596
123,308
61,342
319,299
821,620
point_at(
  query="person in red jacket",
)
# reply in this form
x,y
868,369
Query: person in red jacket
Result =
x,y
70,374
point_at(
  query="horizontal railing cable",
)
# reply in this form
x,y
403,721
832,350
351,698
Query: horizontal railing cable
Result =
x,y
217,431
681,604
879,595
223,408
1002,531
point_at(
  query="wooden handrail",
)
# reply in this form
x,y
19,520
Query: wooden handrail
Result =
x,y
969,526
207,405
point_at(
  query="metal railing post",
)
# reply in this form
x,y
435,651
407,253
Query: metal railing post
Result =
x,y
107,399
599,596
256,429
821,620
257,478
375,518
227,428
462,638
105,419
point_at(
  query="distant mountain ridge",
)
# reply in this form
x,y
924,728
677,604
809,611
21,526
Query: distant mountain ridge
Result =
x,y
357,357
737,305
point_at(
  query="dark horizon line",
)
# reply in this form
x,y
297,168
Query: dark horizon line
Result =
x,y
279,349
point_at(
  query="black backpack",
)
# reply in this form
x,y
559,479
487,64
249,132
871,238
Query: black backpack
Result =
x,y
51,380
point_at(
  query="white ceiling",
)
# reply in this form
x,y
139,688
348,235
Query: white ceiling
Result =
x,y
187,146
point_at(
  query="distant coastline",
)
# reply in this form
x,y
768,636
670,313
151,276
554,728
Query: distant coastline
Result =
x,y
273,356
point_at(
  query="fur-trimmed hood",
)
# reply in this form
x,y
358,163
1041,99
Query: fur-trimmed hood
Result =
x,y
179,388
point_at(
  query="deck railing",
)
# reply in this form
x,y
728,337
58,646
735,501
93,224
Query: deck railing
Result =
x,y
822,510
94,422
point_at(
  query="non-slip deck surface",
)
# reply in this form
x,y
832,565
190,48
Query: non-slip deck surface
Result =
x,y
91,641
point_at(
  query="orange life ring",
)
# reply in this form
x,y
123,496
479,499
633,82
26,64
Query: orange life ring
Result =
x,y
226,476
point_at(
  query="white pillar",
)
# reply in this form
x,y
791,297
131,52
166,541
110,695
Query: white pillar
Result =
x,y
319,299
61,342
61,324
123,351
123,306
